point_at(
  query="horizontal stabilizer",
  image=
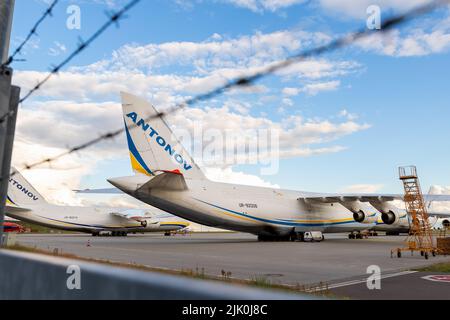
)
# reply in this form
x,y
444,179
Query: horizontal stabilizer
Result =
x,y
173,181
14,209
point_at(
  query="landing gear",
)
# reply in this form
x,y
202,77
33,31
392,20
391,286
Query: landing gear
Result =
x,y
355,235
96,234
264,238
119,234
167,234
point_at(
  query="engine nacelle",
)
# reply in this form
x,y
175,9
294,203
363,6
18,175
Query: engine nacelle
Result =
x,y
361,217
446,223
390,217
150,224
361,212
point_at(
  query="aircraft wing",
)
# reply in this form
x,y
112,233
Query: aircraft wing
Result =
x,y
440,215
145,220
100,191
380,198
120,215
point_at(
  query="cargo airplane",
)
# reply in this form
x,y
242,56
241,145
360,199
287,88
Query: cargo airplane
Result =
x,y
167,177
26,204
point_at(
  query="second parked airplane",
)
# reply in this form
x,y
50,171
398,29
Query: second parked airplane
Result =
x,y
26,204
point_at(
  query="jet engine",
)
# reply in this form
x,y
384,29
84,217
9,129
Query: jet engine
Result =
x,y
148,223
390,217
362,217
361,212
446,223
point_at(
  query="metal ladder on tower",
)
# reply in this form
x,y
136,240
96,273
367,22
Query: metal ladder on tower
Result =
x,y
420,237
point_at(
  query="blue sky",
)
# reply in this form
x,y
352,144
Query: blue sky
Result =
x,y
357,114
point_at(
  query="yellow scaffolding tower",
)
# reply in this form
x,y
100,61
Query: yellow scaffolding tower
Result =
x,y
420,237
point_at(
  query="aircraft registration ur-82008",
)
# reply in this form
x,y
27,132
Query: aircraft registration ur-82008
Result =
x,y
26,204
167,178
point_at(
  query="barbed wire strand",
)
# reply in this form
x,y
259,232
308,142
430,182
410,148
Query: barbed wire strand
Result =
x,y
248,80
113,19
47,13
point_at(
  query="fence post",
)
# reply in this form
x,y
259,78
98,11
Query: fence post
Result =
x,y
9,99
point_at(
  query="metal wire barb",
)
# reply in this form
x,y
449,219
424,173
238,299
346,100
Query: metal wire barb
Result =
x,y
113,19
33,31
270,69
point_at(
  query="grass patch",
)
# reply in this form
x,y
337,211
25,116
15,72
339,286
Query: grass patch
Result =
x,y
440,267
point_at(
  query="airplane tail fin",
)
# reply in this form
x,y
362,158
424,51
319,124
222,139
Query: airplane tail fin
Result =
x,y
152,144
21,192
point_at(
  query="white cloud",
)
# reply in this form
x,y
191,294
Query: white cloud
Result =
x,y
363,188
215,53
264,5
417,42
439,207
314,88
357,9
428,36
227,175
425,37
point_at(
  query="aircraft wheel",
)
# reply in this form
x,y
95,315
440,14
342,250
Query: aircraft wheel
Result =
x,y
426,255
399,254
433,253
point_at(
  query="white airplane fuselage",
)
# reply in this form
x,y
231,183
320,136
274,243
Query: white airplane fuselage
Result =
x,y
86,219
245,208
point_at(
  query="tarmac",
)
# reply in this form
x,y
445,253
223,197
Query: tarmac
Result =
x,y
338,263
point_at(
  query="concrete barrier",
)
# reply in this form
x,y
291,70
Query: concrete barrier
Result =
x,y
40,277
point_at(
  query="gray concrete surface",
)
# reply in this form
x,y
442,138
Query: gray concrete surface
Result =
x,y
330,261
404,287
26,276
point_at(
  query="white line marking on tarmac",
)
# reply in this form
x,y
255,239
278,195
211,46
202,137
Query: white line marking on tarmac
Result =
x,y
354,282
438,278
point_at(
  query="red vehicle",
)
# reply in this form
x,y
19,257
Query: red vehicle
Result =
x,y
12,227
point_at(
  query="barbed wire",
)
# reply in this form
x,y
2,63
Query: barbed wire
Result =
x,y
268,70
113,19
47,13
